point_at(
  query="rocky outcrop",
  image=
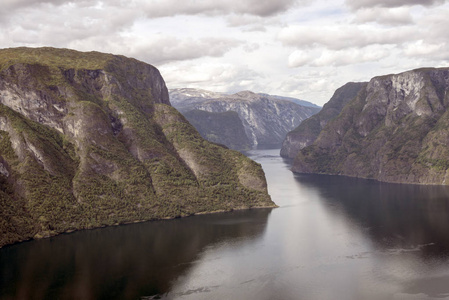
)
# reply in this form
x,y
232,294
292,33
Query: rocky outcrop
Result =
x,y
224,128
90,140
395,130
307,132
266,119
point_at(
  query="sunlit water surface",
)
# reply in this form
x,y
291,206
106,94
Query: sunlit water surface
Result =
x,y
331,238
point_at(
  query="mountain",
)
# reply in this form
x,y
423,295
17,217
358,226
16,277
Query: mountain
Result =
x,y
265,119
307,132
291,99
222,128
90,139
395,130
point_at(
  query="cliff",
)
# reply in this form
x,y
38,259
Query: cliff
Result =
x,y
307,132
90,140
265,119
395,130
224,128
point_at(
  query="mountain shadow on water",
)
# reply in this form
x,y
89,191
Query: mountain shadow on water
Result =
x,y
124,262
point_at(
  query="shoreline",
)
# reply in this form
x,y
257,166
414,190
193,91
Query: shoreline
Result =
x,y
38,237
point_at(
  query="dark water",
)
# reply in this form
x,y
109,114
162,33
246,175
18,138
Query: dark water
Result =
x,y
331,238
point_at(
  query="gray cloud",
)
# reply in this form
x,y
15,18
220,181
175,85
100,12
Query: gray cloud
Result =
x,y
164,49
16,4
358,4
166,8
43,23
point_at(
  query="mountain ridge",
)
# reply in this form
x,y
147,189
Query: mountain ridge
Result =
x,y
265,119
90,139
394,130
307,132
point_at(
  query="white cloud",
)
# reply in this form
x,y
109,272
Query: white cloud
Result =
x,y
350,56
299,58
343,36
325,57
419,48
219,77
381,15
236,20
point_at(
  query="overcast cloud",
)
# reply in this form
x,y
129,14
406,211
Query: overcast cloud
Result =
x,y
298,48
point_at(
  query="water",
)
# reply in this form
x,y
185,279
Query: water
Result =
x,y
331,238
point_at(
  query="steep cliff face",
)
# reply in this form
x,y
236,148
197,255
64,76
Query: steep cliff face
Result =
x,y
90,139
224,128
395,130
307,132
266,119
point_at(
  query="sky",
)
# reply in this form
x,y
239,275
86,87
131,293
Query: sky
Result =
x,y
297,48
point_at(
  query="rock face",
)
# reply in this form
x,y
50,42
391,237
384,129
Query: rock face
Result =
x,y
223,128
395,130
307,132
266,119
90,140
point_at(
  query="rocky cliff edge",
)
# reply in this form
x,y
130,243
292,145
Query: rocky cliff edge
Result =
x,y
396,130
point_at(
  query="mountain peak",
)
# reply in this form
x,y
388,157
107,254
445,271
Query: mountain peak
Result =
x,y
245,94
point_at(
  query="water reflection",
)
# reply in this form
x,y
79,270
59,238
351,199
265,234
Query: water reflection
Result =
x,y
123,262
331,238
396,216
407,227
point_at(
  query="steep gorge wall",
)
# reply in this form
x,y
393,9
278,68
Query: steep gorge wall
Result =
x,y
266,119
90,140
307,132
395,130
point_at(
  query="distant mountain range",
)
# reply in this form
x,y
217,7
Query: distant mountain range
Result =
x,y
295,100
260,120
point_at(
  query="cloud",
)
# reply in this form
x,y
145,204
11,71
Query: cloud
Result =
x,y
358,4
324,58
16,4
350,56
343,36
419,48
387,16
164,8
299,58
41,23
235,20
219,77
164,49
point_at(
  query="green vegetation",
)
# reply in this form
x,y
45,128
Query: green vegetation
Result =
x,y
54,58
111,153
223,128
387,137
